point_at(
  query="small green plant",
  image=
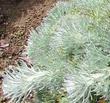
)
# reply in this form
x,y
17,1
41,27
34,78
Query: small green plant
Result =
x,y
70,53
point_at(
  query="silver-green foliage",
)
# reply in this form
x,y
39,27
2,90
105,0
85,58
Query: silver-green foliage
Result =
x,y
70,49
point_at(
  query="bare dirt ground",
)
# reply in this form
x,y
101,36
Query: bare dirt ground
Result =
x,y
16,19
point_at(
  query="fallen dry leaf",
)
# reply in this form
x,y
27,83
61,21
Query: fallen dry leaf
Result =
x,y
3,44
102,100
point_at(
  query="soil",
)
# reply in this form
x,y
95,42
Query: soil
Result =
x,y
17,17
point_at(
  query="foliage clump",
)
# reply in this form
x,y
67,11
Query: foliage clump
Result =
x,y
70,51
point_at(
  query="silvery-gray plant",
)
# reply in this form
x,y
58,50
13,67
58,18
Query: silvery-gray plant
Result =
x,y
70,52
